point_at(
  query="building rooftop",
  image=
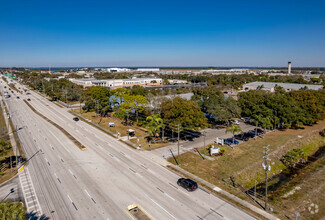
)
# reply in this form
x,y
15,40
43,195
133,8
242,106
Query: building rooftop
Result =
x,y
291,86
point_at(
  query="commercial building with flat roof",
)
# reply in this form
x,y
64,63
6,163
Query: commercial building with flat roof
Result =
x,y
117,83
270,86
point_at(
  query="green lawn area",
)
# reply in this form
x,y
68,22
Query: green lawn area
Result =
x,y
145,145
140,136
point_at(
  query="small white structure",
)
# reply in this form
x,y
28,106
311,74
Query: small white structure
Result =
x,y
214,150
116,70
111,124
219,141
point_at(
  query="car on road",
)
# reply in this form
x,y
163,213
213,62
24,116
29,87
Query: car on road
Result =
x,y
18,97
28,100
230,141
188,184
76,119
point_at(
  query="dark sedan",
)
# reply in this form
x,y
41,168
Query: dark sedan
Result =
x,y
188,184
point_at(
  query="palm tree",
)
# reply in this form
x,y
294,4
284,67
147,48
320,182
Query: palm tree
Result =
x,y
154,124
266,124
234,129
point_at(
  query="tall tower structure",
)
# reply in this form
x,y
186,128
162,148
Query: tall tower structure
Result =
x,y
289,67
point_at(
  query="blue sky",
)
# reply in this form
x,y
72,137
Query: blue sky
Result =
x,y
67,33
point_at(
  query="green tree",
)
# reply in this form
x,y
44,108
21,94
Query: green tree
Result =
x,y
138,90
212,101
138,104
97,98
12,210
154,124
234,129
184,112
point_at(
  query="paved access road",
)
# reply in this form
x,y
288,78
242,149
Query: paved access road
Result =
x,y
210,137
100,182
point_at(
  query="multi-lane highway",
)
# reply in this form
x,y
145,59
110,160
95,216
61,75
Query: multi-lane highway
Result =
x,y
100,182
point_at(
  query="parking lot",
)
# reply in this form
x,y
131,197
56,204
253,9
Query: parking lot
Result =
x,y
210,136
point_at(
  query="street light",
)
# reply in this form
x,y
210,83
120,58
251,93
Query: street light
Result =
x,y
204,135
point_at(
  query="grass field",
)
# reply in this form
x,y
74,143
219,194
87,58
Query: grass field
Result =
x,y
5,172
243,163
140,136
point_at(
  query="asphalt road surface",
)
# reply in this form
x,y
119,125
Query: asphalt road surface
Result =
x,y
63,182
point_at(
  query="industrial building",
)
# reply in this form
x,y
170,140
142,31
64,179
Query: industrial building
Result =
x,y
270,86
117,83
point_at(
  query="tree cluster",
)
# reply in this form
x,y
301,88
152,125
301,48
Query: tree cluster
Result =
x,y
283,109
213,102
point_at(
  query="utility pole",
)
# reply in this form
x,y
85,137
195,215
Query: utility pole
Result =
x,y
275,120
267,168
255,192
96,106
16,150
204,134
10,165
127,123
178,129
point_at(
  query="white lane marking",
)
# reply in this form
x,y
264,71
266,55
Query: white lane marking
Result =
x,y
116,159
169,196
87,193
72,174
58,140
69,198
162,208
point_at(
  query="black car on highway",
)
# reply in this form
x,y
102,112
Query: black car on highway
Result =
x,y
188,184
76,119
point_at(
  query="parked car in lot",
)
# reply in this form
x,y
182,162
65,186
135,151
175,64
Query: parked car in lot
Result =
x,y
230,141
28,100
235,122
242,137
255,132
251,134
18,97
76,119
188,184
259,131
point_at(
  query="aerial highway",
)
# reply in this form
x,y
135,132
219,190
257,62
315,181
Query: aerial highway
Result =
x,y
101,181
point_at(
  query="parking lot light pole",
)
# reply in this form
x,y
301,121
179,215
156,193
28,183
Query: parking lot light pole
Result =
x,y
204,134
